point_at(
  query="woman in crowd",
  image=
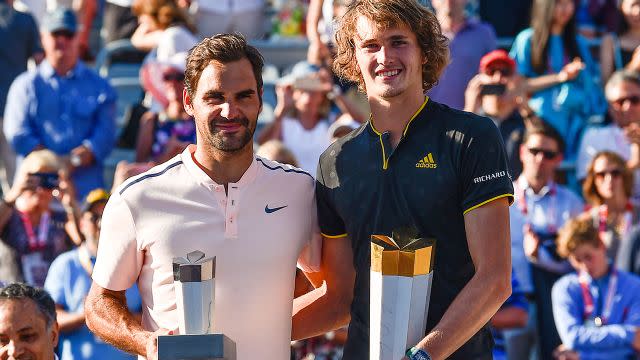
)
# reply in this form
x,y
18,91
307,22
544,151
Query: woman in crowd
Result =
x,y
163,26
29,224
607,189
164,134
619,51
561,75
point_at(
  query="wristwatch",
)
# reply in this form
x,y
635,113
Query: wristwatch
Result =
x,y
417,354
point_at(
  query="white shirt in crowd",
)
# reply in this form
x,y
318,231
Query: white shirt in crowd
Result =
x,y
306,145
256,232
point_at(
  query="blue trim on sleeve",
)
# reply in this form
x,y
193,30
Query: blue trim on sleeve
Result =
x,y
150,176
298,171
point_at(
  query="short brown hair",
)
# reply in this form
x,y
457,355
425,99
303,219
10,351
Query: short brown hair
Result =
x,y
589,189
391,13
576,232
164,12
223,48
545,129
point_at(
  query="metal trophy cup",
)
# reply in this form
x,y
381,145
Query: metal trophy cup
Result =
x,y
401,276
194,281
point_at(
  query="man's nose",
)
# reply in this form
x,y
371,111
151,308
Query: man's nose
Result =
x,y
384,55
229,110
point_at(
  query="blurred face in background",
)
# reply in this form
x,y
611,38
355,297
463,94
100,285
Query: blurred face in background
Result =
x,y
499,104
562,12
173,82
590,259
90,224
24,333
607,178
631,11
61,49
540,158
624,103
450,8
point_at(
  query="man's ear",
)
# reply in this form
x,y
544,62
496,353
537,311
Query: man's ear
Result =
x,y
186,100
55,332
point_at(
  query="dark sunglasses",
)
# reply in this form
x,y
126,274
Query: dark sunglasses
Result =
x,y
615,173
503,70
64,33
173,77
546,154
633,100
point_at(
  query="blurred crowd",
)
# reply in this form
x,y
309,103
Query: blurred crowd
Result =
x,y
559,78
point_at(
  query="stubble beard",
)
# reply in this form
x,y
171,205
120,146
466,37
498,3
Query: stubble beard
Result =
x,y
232,143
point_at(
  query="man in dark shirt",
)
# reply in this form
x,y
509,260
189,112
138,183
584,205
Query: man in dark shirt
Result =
x,y
414,163
496,92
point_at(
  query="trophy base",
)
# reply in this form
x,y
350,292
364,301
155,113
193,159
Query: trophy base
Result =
x,y
196,347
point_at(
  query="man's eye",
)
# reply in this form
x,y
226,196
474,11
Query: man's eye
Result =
x,y
4,341
399,42
28,337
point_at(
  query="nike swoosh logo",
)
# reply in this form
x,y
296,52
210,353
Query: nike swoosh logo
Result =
x,y
269,211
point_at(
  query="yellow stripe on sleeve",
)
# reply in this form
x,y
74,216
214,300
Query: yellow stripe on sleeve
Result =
x,y
490,200
334,236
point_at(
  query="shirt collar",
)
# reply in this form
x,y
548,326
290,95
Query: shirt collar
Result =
x,y
202,178
406,128
47,71
548,189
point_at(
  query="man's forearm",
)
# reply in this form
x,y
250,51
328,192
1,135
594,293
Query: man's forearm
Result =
x,y
108,317
316,313
69,321
478,301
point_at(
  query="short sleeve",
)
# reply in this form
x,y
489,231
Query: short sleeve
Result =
x,y
119,258
54,283
484,167
329,221
311,255
521,52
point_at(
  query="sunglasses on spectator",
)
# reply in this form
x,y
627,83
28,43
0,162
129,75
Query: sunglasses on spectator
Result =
x,y
173,77
615,173
64,33
546,154
505,71
633,100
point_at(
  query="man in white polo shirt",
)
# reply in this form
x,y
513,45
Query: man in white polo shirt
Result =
x,y
256,216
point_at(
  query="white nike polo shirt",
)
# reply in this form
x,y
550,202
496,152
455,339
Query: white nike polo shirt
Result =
x,y
256,233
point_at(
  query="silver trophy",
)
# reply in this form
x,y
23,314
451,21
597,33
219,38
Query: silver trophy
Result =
x,y
194,282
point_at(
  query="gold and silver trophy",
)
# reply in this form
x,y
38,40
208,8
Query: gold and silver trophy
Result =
x,y
194,282
401,276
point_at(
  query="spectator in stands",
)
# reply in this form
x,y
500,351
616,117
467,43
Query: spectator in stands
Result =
x,y
320,29
607,189
69,281
562,76
622,136
302,114
275,150
29,224
216,17
162,135
469,41
508,18
28,327
596,17
63,106
513,313
21,41
541,207
163,26
119,21
86,12
597,308
619,51
496,92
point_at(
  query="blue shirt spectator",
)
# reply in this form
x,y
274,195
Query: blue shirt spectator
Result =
x,y
68,283
63,106
613,339
567,105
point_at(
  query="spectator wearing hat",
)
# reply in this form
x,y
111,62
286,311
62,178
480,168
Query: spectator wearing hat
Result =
x,y
63,106
164,134
303,113
469,41
69,281
21,41
497,92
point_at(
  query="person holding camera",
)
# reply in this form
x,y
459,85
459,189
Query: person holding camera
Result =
x,y
29,224
497,92
542,207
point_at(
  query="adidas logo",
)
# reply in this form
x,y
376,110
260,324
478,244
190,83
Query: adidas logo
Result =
x,y
427,162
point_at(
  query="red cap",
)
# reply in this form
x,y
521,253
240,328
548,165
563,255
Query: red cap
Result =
x,y
495,56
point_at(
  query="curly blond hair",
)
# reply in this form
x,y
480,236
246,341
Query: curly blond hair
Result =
x,y
392,13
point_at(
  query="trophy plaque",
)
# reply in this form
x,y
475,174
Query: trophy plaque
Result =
x,y
401,276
